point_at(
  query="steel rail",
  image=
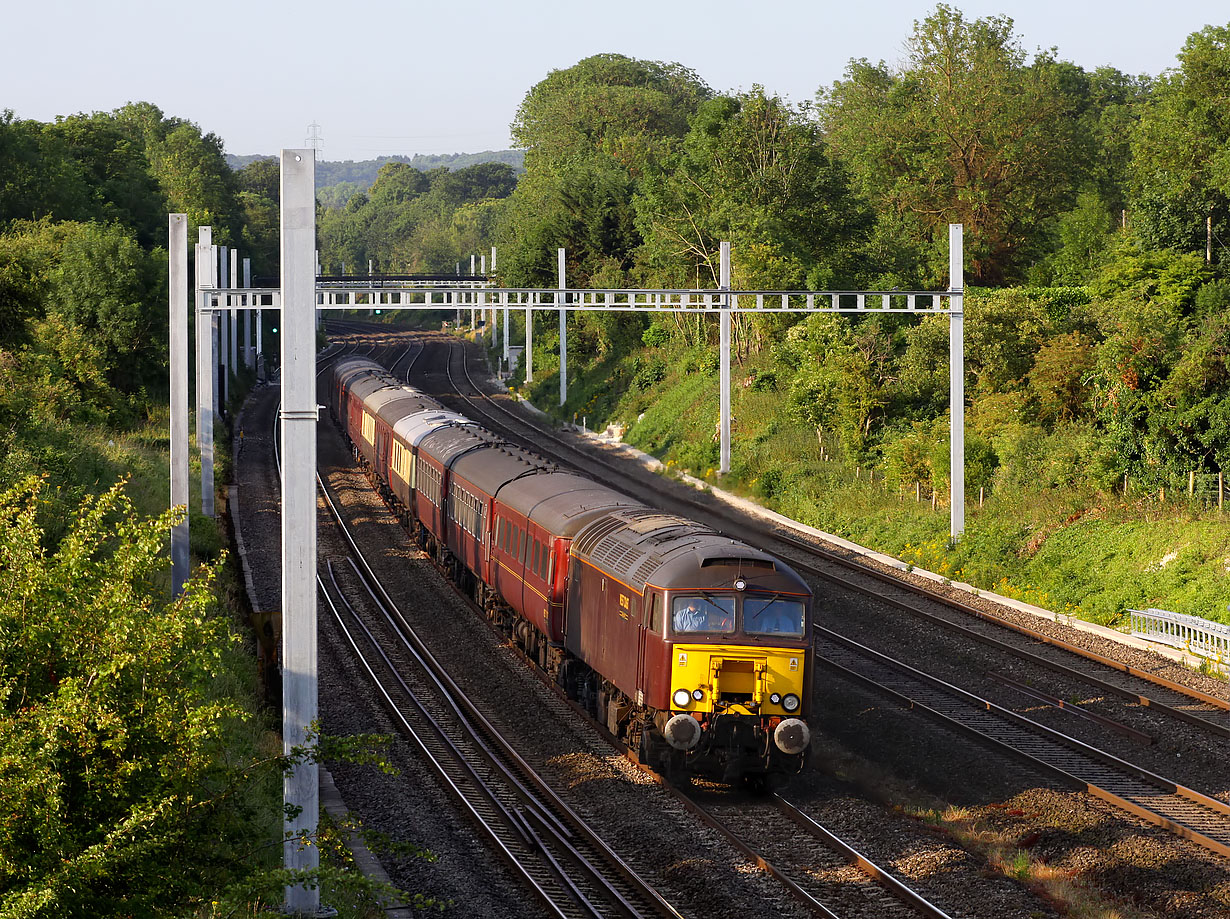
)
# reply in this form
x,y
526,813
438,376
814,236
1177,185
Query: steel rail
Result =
x,y
552,803
895,885
1153,798
477,787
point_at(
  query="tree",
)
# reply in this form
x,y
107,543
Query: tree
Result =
x,y
111,156
753,171
122,744
590,132
969,131
104,298
189,167
38,175
1181,148
607,104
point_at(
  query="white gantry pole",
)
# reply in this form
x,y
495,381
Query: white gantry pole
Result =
x,y
529,337
177,287
234,278
956,374
247,314
504,300
724,362
563,330
215,335
224,331
206,369
299,693
260,352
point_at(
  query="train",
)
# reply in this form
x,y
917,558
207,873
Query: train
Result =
x,y
690,647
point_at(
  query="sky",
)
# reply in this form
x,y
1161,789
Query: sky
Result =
x,y
383,78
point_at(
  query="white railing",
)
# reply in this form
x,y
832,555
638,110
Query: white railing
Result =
x,y
1203,637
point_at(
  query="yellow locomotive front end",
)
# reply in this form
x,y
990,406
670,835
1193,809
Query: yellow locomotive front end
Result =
x,y
739,683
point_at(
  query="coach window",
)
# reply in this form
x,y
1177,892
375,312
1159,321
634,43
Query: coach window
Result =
x,y
550,565
534,562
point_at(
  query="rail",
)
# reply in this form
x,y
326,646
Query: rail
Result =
x,y
1202,637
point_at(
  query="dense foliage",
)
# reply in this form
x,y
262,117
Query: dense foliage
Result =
x,y
124,726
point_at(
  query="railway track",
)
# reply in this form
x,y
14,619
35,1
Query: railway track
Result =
x,y
1187,813
1153,798
815,866
563,862
823,873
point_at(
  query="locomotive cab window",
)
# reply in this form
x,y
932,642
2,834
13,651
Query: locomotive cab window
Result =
x,y
773,616
703,614
655,612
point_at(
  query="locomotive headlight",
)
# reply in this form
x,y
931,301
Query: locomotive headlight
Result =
x,y
790,702
776,698
681,698
698,694
740,583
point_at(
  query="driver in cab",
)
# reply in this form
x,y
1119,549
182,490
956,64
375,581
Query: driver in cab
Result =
x,y
695,616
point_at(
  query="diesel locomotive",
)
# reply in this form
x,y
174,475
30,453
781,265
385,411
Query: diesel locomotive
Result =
x,y
691,647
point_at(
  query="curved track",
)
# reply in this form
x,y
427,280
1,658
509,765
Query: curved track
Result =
x,y
1157,800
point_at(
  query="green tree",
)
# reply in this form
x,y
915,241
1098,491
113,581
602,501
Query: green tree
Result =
x,y
189,167
590,132
38,175
111,156
753,171
968,131
1181,149
122,726
91,300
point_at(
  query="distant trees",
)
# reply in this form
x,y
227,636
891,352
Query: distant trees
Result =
x,y
412,221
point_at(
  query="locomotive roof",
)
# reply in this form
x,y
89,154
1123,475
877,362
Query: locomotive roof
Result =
x,y
562,502
643,545
414,427
497,464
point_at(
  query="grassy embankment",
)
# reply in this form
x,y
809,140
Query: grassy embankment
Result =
x,y
1077,551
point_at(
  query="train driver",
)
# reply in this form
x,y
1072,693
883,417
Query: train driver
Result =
x,y
693,615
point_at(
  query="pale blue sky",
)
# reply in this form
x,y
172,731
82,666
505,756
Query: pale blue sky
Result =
x,y
385,78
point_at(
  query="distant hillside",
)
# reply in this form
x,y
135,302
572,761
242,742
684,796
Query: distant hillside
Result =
x,y
363,172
